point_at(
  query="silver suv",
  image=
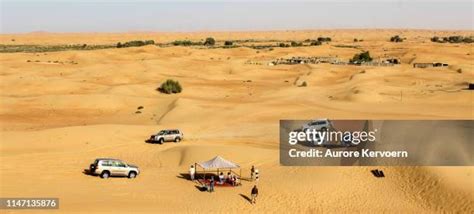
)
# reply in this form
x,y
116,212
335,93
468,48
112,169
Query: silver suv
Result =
x,y
167,136
106,167
319,125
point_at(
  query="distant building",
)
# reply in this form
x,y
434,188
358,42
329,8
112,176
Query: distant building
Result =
x,y
427,65
304,60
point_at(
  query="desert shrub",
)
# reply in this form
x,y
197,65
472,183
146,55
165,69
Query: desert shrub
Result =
x,y
50,48
324,39
468,40
361,57
135,43
304,84
170,86
453,39
228,43
260,46
210,41
315,43
182,43
396,38
356,40
296,44
435,39
283,45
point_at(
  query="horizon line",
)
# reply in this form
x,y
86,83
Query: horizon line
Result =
x,y
236,31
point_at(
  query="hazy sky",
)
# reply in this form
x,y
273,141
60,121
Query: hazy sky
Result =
x,y
148,15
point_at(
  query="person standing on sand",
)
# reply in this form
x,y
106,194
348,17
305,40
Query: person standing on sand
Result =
x,y
211,184
254,194
221,178
192,171
252,171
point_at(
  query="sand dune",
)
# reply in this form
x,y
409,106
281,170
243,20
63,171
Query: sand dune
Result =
x,y
57,118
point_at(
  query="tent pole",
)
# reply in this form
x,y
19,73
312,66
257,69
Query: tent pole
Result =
x,y
240,175
195,170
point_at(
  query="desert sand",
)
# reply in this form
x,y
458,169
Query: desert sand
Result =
x,y
57,118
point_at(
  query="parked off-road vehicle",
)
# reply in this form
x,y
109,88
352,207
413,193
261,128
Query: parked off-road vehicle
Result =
x,y
107,167
319,125
172,135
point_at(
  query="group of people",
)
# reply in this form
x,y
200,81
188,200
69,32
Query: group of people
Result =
x,y
254,175
230,179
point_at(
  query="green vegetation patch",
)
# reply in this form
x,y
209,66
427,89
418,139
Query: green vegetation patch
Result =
x,y
50,48
397,38
361,58
170,87
453,39
135,43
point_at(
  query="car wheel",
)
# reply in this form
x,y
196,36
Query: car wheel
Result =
x,y
105,174
176,140
132,175
160,141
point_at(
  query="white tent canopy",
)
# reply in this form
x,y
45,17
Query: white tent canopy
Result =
x,y
218,163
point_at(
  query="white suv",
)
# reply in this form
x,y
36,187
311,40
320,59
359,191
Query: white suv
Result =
x,y
319,125
106,167
167,136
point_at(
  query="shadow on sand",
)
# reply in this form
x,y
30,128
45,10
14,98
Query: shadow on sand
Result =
x,y
151,142
246,198
184,176
201,188
246,179
88,172
198,185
